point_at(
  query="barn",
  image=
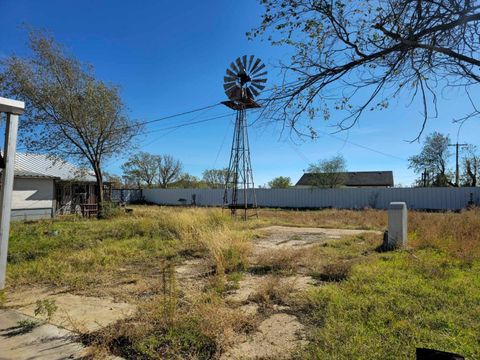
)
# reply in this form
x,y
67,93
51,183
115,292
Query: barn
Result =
x,y
44,188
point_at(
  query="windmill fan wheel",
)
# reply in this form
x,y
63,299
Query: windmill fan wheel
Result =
x,y
245,78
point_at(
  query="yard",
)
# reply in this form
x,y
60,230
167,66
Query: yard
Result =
x,y
298,284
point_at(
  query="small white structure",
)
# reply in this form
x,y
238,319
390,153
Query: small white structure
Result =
x,y
397,225
44,187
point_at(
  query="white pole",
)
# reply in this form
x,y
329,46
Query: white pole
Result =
x,y
7,190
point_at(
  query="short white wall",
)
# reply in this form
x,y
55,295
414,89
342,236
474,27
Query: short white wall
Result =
x,y
344,198
31,197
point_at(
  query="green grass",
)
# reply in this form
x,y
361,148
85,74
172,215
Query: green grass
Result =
x,y
394,303
78,253
368,305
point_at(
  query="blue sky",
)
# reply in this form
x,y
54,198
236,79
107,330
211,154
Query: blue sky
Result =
x,y
170,56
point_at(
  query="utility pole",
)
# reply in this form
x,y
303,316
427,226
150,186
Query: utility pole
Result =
x,y
457,175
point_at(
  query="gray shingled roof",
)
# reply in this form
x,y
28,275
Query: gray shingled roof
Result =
x,y
37,165
355,179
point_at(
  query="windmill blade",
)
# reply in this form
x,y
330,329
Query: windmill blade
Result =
x,y
231,73
259,81
229,79
253,90
244,62
262,74
258,69
258,61
229,86
249,93
234,68
258,86
250,61
239,63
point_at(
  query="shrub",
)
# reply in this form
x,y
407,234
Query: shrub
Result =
x,y
337,271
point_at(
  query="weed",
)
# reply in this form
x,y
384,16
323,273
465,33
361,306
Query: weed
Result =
x,y
337,271
272,290
46,308
27,325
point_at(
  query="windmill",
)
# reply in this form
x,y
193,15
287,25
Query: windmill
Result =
x,y
244,80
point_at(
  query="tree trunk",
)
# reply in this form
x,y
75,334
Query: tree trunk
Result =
x,y
100,195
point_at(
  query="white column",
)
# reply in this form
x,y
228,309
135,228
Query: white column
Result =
x,y
397,225
7,190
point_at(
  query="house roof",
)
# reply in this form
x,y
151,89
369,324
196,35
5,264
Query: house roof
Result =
x,y
31,174
355,178
38,165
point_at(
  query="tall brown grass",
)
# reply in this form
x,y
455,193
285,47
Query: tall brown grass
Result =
x,y
457,234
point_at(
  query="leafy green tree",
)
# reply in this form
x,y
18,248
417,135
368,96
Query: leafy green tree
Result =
x,y
187,181
169,170
142,168
471,166
356,56
329,173
69,114
215,178
432,162
280,182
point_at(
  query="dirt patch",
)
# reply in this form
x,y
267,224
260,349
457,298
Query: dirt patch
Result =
x,y
277,337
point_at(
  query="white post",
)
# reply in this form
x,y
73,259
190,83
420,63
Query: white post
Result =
x,y
13,108
397,225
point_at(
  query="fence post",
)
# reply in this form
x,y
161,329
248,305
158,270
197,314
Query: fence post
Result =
x,y
13,109
397,225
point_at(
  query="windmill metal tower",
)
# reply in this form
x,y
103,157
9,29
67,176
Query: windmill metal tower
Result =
x,y
243,81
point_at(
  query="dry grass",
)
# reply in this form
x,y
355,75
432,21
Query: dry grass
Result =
x,y
282,261
273,290
434,291
457,234
337,271
367,219
171,326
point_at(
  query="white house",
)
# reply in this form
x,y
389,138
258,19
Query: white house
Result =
x,y
44,187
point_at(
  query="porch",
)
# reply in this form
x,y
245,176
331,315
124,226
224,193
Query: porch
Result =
x,y
79,198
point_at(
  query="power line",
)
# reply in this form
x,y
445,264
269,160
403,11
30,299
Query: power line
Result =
x,y
221,146
167,117
362,146
189,123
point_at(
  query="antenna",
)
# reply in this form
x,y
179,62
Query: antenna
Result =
x,y
244,80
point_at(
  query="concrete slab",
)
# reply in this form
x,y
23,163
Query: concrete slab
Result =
x,y
277,337
82,314
43,342
286,237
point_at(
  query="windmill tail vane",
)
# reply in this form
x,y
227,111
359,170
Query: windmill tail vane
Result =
x,y
243,81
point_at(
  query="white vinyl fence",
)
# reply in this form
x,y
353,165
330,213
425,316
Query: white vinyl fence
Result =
x,y
345,198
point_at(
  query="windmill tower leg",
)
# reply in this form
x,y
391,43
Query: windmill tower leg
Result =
x,y
239,182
